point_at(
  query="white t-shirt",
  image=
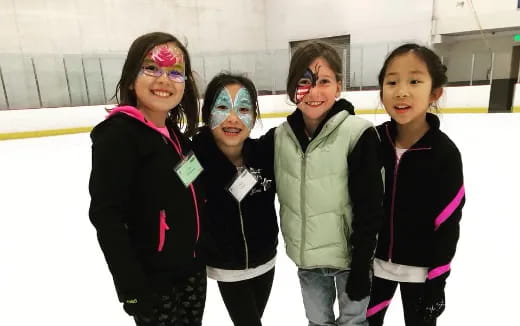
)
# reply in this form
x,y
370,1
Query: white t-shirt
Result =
x,y
399,273
400,152
235,275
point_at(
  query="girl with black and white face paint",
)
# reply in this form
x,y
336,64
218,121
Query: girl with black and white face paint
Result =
x,y
329,186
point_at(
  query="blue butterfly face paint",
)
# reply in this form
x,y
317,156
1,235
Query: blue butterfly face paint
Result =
x,y
244,107
221,108
224,105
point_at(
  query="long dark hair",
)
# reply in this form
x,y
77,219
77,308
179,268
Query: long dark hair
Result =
x,y
184,114
218,83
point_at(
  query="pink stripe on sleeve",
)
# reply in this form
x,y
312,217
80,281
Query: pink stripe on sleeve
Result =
x,y
448,210
438,271
378,307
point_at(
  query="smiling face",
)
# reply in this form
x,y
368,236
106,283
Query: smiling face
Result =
x,y
158,86
319,88
232,116
407,90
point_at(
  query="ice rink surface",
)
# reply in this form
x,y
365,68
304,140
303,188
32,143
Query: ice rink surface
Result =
x,y
52,271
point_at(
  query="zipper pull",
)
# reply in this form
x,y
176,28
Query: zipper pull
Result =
x,y
163,227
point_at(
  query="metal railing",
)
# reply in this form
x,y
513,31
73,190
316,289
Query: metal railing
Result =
x,y
74,80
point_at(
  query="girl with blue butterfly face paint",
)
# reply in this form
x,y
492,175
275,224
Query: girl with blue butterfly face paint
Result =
x,y
239,102
242,230
232,117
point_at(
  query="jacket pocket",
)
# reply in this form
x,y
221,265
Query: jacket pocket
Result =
x,y
163,227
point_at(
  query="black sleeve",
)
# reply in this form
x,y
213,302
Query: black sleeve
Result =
x,y
446,225
264,148
114,162
366,192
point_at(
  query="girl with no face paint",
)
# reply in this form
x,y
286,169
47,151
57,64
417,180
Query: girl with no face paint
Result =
x,y
423,206
241,236
329,187
144,186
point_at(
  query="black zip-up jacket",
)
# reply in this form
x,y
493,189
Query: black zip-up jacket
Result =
x,y
135,197
423,200
365,184
238,236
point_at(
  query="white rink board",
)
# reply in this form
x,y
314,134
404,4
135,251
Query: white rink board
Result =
x,y
12,121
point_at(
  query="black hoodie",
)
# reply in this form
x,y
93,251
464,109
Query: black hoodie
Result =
x,y
134,194
237,236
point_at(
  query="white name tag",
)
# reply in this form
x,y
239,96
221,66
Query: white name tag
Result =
x,y
242,185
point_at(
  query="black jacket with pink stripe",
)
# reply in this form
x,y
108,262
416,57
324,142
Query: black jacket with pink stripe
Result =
x,y
148,223
424,196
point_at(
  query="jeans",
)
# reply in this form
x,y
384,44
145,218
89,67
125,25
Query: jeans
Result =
x,y
319,289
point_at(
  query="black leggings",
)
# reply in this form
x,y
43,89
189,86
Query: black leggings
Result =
x,y
246,300
382,293
183,305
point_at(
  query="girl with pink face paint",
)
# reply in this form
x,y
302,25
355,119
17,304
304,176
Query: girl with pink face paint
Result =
x,y
424,190
145,187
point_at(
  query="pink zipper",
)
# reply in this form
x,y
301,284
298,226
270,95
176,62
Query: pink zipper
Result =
x,y
133,112
163,227
391,245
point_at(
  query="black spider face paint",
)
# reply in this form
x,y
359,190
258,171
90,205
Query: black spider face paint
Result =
x,y
305,83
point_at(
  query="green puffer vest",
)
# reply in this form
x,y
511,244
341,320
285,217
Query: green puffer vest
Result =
x,y
312,187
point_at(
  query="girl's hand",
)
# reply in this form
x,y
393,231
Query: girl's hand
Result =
x,y
432,303
358,284
143,306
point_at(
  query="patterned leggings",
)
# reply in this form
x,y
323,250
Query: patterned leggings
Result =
x,y
182,306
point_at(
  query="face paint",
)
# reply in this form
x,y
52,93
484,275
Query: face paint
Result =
x,y
221,108
242,106
304,85
165,55
165,58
